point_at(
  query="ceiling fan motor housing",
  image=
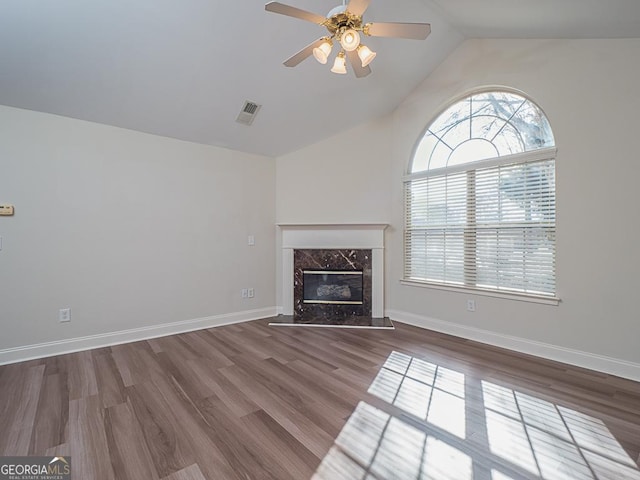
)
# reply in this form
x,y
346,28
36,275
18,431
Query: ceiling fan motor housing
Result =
x,y
339,19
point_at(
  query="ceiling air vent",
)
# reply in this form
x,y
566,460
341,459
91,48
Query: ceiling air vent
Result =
x,y
248,113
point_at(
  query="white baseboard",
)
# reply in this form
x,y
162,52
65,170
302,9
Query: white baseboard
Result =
x,y
600,363
58,347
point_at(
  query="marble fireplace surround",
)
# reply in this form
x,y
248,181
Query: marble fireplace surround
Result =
x,y
330,237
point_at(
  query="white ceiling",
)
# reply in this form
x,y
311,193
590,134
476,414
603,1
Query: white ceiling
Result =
x,y
543,18
183,69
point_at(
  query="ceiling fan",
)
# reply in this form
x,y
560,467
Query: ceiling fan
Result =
x,y
344,24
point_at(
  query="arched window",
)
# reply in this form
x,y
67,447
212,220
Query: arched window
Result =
x,y
480,198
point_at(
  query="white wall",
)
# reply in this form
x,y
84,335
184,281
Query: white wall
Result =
x,y
343,179
588,89
129,230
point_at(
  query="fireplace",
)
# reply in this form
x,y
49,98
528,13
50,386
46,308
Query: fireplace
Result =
x,y
331,287
338,248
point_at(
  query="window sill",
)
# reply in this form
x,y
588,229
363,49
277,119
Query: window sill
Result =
x,y
487,293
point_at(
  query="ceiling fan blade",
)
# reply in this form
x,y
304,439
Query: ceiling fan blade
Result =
x,y
416,31
282,9
358,7
356,64
302,54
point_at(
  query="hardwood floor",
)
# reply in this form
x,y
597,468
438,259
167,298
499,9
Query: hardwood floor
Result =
x,y
250,401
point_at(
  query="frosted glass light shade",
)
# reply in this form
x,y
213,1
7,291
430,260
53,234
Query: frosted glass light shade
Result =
x,y
350,39
340,64
322,51
366,55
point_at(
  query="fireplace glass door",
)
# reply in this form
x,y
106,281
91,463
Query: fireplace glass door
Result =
x,y
340,287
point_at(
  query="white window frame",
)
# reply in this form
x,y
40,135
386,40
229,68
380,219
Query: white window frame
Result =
x,y
537,155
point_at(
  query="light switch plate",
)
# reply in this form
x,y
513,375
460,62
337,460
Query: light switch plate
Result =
x,y
6,210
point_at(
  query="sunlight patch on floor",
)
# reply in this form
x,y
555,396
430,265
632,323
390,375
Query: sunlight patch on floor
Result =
x,y
460,428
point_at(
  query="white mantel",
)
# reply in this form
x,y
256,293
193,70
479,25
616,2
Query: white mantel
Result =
x,y
334,236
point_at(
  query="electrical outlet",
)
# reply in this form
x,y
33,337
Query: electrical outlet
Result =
x,y
64,315
251,240
6,210
251,292
471,305
245,293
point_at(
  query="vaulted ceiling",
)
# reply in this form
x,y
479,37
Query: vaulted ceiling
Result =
x,y
183,69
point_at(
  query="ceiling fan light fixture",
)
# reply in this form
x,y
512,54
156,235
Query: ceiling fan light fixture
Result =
x,y
345,27
340,64
366,55
350,39
322,51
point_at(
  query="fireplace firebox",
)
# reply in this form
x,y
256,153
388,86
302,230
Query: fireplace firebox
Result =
x,y
337,287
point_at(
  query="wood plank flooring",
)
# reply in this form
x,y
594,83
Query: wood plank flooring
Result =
x,y
249,401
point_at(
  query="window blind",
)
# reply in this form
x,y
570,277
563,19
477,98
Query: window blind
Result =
x,y
489,228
